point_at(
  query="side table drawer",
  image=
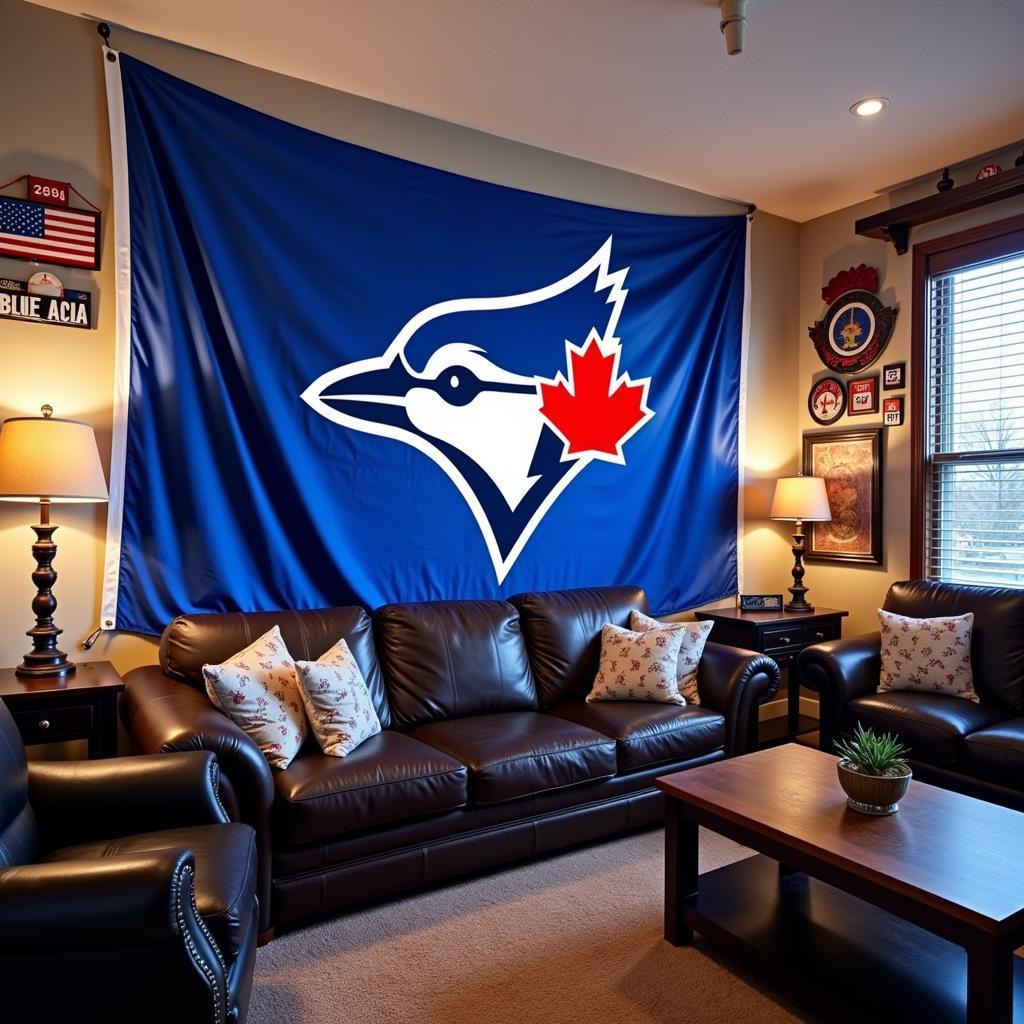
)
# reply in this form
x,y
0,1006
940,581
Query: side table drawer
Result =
x,y
54,723
821,632
782,639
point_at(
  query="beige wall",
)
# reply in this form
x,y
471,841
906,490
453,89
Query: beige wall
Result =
x,y
50,62
827,245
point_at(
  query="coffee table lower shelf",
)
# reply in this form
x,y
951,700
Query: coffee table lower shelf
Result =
x,y
845,955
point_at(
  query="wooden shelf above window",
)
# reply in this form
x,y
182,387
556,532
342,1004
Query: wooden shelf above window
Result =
x,y
894,225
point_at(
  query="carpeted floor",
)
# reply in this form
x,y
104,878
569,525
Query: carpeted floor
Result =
x,y
571,939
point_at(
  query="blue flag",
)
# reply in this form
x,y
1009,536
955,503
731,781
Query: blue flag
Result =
x,y
349,378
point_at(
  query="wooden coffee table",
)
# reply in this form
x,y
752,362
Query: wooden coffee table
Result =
x,y
911,917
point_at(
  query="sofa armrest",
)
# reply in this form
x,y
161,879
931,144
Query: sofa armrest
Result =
x,y
163,715
95,915
105,902
735,682
839,671
78,801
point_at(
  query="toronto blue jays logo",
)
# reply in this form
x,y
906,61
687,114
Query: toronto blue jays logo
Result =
x,y
496,392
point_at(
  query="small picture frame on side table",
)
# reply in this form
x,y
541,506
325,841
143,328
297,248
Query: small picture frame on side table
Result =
x,y
894,376
863,396
892,411
760,602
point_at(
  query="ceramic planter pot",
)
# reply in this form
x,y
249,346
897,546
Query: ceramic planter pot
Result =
x,y
872,794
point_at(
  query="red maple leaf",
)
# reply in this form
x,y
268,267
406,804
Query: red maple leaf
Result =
x,y
591,411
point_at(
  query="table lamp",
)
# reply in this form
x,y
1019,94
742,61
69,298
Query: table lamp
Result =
x,y
48,460
803,499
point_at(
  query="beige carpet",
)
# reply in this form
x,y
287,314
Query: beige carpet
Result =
x,y
572,938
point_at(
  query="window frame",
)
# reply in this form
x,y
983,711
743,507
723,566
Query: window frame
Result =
x,y
936,256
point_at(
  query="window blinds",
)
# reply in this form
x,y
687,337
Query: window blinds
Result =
x,y
974,482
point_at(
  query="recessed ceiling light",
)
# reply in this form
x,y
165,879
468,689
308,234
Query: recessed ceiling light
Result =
x,y
869,107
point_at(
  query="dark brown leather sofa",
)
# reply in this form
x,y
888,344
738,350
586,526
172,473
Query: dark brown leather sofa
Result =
x,y
488,753
974,748
125,893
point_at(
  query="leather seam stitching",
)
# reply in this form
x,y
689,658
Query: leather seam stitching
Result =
x,y
375,785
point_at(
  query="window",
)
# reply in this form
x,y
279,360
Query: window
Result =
x,y
969,406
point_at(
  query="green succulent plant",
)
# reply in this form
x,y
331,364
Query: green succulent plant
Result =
x,y
872,754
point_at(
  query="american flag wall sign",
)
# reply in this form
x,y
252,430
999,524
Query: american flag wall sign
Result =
x,y
49,234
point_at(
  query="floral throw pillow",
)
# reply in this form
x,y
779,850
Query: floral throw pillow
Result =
x,y
638,666
927,654
339,705
693,636
258,691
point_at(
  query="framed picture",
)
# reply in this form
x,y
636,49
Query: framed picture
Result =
x,y
894,376
826,401
892,411
760,602
850,461
863,395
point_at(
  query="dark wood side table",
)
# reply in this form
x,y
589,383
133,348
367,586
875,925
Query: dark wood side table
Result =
x,y
780,635
80,706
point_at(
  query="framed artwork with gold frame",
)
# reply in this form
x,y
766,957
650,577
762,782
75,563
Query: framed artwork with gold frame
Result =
x,y
850,461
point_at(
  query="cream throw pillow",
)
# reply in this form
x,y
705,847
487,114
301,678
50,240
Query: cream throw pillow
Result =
x,y
339,705
933,655
257,689
638,666
694,636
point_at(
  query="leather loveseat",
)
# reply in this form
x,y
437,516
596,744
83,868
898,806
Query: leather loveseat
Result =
x,y
488,753
977,749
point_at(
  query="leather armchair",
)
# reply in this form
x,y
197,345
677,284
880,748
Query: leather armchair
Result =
x,y
976,748
125,893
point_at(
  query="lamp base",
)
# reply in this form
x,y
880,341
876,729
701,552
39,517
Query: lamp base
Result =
x,y
46,659
798,606
52,665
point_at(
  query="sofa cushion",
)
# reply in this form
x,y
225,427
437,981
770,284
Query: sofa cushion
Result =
x,y
649,734
929,655
340,711
453,659
257,688
996,753
931,725
638,666
563,634
693,637
386,778
225,882
518,754
191,641
997,641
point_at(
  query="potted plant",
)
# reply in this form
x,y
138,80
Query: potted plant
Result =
x,y
873,771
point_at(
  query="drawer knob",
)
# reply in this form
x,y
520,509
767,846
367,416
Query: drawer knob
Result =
x,y
44,723
819,635
784,640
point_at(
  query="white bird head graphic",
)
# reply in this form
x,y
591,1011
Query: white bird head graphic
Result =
x,y
496,393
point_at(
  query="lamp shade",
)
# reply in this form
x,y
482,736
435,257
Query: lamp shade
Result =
x,y
801,497
41,457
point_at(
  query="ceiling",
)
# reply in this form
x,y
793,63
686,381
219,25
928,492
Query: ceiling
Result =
x,y
646,85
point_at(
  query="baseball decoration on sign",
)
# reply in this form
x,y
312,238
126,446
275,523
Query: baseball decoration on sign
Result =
x,y
856,326
827,400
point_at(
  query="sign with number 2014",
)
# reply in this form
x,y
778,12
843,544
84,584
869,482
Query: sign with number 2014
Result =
x,y
45,190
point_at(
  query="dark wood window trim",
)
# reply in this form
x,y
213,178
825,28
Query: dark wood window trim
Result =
x,y
987,242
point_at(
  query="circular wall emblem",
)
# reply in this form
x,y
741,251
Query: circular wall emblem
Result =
x,y
854,331
851,328
827,400
45,283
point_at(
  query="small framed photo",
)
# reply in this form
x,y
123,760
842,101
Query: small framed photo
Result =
x,y
760,602
892,411
863,395
894,376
